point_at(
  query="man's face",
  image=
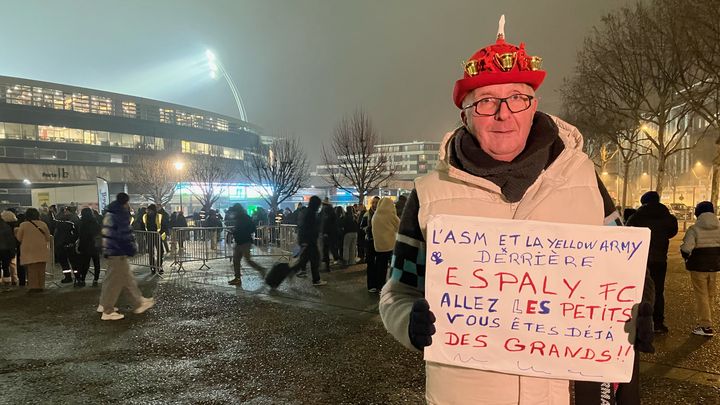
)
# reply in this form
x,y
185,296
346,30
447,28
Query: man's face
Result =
x,y
374,203
503,135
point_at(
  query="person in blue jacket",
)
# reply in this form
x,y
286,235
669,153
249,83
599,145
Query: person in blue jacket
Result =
x,y
118,244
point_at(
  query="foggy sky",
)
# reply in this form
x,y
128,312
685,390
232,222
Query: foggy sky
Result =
x,y
300,65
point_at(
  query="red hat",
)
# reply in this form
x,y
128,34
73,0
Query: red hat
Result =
x,y
496,64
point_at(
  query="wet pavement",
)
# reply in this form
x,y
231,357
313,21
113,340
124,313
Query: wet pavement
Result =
x,y
210,343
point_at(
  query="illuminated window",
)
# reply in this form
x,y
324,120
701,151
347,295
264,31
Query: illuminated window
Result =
x,y
129,109
167,116
19,94
101,105
198,121
183,118
80,102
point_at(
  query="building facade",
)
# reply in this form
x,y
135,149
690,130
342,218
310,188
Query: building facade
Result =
x,y
57,135
408,159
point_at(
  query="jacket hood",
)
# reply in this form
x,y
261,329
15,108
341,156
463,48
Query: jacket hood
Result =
x,y
115,207
708,220
568,134
385,206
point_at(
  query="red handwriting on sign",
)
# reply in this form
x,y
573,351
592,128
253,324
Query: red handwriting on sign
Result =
x,y
466,339
505,281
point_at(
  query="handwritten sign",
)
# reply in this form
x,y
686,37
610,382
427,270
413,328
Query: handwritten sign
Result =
x,y
535,298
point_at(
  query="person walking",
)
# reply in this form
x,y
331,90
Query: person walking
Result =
x,y
34,238
8,247
663,226
385,225
243,231
308,232
89,244
701,250
118,243
350,229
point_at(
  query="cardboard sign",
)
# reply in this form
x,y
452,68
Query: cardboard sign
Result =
x,y
535,298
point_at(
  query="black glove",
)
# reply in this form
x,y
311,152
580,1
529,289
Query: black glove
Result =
x,y
644,331
684,255
421,326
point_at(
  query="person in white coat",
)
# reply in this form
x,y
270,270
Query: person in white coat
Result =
x,y
510,161
701,251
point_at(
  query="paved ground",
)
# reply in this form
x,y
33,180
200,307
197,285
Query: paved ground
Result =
x,y
207,342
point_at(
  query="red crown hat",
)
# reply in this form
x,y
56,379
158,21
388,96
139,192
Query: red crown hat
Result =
x,y
496,64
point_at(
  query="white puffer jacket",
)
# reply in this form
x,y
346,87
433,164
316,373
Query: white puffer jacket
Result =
x,y
566,192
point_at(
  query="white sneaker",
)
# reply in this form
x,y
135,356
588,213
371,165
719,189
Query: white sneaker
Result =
x,y
115,316
320,283
146,304
101,309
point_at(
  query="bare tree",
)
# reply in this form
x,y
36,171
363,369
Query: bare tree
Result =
x,y
631,59
209,173
153,178
352,160
280,170
695,39
611,134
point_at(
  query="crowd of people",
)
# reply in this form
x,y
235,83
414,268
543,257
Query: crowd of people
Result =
x,y
349,235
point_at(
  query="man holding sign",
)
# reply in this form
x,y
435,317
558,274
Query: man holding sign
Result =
x,y
547,310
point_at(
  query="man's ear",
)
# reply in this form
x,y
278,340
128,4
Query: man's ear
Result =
x,y
463,117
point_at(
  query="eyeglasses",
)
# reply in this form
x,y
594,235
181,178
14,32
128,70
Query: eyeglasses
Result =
x,y
489,106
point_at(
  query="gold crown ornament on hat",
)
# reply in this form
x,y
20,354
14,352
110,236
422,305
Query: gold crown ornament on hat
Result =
x,y
499,63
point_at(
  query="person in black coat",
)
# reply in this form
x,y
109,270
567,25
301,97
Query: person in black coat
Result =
x,y
8,245
243,230
308,232
328,225
663,226
89,245
65,236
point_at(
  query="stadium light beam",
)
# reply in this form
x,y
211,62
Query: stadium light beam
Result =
x,y
217,69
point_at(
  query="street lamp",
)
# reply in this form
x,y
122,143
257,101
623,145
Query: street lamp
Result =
x,y
179,165
217,68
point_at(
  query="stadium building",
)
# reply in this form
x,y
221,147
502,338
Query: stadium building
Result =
x,y
54,136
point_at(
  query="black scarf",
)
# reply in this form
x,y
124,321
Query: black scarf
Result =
x,y
514,178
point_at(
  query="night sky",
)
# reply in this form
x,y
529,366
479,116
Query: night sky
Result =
x,y
300,65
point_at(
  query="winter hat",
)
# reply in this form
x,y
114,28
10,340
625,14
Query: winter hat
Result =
x,y
650,197
703,207
499,63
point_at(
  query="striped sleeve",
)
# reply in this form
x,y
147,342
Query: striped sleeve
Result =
x,y
408,264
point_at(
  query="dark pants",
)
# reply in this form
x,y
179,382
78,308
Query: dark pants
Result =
x,y
83,265
155,251
65,256
361,245
371,260
382,262
96,265
326,249
6,257
658,270
309,253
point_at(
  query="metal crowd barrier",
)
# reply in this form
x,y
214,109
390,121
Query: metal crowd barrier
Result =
x,y
202,244
275,240
151,251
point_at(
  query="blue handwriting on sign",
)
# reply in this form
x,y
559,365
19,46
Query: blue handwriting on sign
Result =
x,y
436,257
